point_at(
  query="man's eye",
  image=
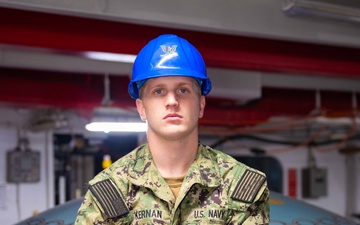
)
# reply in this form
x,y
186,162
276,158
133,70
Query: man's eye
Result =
x,y
158,91
183,90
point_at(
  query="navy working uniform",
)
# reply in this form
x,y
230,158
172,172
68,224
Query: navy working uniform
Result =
x,y
216,190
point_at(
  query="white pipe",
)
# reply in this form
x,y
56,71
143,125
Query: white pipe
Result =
x,y
62,190
350,168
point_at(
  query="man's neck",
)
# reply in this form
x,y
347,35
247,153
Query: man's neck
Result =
x,y
173,158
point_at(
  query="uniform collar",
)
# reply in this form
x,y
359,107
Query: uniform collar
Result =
x,y
204,170
144,173
139,174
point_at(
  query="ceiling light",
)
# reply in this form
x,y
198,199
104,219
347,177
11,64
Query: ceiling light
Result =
x,y
114,119
107,118
337,121
116,127
114,57
321,9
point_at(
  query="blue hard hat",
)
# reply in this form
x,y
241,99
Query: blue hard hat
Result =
x,y
168,55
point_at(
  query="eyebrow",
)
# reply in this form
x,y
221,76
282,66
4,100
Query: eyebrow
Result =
x,y
177,84
151,87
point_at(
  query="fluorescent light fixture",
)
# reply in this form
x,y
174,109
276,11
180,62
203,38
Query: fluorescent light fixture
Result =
x,y
114,57
321,9
337,121
114,119
116,127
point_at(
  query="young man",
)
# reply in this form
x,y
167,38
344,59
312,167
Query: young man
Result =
x,y
174,179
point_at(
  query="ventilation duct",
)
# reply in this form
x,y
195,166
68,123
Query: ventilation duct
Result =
x,y
241,86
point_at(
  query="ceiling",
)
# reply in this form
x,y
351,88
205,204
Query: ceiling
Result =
x,y
276,66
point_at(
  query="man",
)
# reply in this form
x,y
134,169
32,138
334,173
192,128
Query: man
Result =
x,y
173,179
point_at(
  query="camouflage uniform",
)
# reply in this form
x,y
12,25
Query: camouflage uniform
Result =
x,y
216,190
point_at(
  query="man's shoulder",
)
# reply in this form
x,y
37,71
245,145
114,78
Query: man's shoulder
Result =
x,y
238,176
227,162
246,185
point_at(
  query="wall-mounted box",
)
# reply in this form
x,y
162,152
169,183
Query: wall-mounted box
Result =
x,y
23,166
314,182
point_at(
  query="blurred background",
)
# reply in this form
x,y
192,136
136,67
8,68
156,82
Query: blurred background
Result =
x,y
285,97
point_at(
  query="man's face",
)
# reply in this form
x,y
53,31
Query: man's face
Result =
x,y
171,106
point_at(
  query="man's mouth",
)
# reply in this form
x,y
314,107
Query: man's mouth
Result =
x,y
172,115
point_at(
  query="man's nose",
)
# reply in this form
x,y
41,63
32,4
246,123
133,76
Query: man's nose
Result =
x,y
171,100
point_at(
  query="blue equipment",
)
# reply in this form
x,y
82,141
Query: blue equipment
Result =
x,y
283,211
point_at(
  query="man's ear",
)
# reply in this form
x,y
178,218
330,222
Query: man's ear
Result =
x,y
202,106
140,109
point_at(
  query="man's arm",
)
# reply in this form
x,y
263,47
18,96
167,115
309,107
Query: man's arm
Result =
x,y
259,211
88,213
250,201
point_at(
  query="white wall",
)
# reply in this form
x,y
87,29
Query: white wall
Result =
x,y
21,201
335,165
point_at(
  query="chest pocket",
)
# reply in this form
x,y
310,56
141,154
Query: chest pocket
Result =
x,y
125,220
204,222
149,216
204,206
150,222
205,216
